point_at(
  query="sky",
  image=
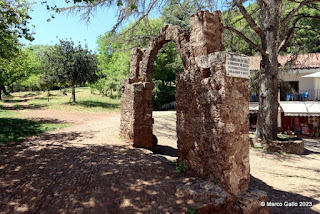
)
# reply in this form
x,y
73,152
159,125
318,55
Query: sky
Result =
x,y
65,26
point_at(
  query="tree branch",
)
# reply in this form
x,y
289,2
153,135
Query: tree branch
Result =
x,y
241,35
295,10
249,19
290,32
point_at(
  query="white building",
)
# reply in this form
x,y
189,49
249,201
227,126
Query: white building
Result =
x,y
302,106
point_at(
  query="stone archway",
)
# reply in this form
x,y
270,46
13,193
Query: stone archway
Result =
x,y
212,107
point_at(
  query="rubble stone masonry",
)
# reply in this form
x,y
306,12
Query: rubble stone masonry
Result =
x,y
212,108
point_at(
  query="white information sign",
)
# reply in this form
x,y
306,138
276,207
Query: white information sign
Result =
x,y
237,66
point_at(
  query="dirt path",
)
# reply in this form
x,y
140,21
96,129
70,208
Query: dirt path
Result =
x,y
86,168
286,178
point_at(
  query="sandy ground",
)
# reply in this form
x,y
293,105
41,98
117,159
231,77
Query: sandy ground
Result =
x,y
286,177
86,168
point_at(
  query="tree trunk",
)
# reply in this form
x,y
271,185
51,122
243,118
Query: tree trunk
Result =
x,y
48,94
73,93
268,104
11,88
3,88
0,94
268,77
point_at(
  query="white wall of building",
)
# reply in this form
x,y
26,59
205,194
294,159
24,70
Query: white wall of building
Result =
x,y
305,83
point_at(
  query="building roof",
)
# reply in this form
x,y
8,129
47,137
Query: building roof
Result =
x,y
316,74
311,60
294,108
311,108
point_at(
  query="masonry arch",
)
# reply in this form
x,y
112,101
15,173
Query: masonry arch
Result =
x,y
206,125
142,60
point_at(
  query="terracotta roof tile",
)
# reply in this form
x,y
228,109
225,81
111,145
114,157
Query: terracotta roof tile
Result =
x,y
311,60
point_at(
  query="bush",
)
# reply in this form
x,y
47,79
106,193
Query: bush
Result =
x,y
163,94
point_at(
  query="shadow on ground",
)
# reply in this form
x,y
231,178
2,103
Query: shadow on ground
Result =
x,y
15,101
282,196
166,150
28,106
91,179
53,177
90,104
16,129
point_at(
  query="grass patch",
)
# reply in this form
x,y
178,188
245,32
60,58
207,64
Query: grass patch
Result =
x,y
13,127
7,113
17,129
86,101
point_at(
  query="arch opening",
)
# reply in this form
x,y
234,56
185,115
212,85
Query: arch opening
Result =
x,y
211,139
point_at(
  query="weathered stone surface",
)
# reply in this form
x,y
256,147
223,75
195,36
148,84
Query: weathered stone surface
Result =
x,y
212,127
206,29
290,147
206,197
135,58
253,201
136,114
212,108
210,198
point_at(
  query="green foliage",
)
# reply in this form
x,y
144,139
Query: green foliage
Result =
x,y
86,101
178,13
181,165
14,128
192,210
114,65
18,68
307,34
163,94
14,24
233,43
114,55
68,64
306,38
114,62
254,82
167,64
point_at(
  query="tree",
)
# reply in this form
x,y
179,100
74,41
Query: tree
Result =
x,y
269,22
71,65
13,25
272,24
114,54
305,40
17,68
178,13
36,53
114,63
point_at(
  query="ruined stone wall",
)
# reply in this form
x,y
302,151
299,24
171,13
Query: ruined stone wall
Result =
x,y
212,108
212,126
136,114
136,99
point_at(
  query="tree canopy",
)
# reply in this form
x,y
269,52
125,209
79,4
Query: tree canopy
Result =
x,y
267,27
14,20
71,65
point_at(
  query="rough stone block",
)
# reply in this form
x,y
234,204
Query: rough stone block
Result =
x,y
290,147
253,201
